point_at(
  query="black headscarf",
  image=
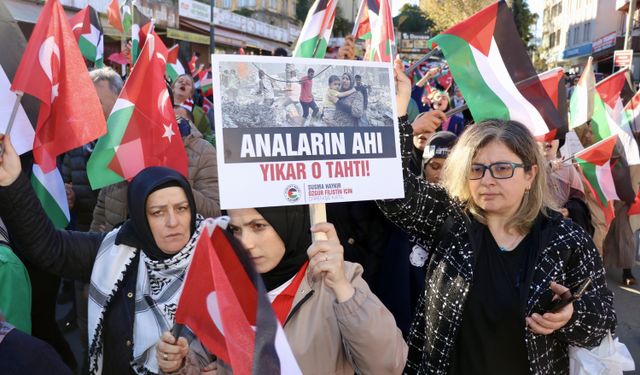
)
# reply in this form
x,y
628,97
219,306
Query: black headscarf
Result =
x,y
292,225
351,80
135,231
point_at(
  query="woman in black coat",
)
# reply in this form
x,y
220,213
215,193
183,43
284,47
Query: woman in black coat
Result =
x,y
499,253
136,271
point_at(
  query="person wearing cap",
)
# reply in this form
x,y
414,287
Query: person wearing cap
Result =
x,y
435,153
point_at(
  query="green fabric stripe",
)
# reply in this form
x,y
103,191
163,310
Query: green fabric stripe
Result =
x,y
171,73
49,204
482,101
314,47
600,119
87,48
589,171
98,165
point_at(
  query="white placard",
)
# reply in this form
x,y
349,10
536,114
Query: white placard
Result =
x,y
270,155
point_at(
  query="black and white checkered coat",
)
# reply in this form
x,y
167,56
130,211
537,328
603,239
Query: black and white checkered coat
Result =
x,y
566,254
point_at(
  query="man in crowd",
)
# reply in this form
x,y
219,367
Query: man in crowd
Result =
x,y
306,95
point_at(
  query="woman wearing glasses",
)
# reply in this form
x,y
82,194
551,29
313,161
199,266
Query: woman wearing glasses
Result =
x,y
498,254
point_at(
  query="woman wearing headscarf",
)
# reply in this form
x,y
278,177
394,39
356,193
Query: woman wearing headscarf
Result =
x,y
350,109
332,321
136,271
499,254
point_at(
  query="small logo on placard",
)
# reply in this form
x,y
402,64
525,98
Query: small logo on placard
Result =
x,y
292,193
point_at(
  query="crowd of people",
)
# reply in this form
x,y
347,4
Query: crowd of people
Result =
x,y
456,278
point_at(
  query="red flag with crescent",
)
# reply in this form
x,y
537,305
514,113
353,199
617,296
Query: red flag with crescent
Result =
x,y
53,70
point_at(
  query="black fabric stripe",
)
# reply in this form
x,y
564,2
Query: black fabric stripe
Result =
x,y
520,68
95,20
322,5
373,6
621,175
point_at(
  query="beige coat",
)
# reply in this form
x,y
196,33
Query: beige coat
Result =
x,y
111,208
339,338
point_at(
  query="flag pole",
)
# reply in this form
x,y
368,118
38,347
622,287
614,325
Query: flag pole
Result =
x,y
12,118
422,59
14,112
318,214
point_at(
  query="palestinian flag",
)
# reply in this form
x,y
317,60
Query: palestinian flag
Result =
x,y
582,102
125,14
87,29
206,83
113,15
362,24
142,129
488,60
139,31
606,172
631,115
383,41
614,90
49,189
316,31
554,85
174,66
602,106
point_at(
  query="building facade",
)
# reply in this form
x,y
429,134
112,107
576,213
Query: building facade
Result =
x,y
573,30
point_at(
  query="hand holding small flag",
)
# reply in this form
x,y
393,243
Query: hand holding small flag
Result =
x,y
170,352
9,162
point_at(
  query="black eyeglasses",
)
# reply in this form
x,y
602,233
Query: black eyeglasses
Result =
x,y
500,171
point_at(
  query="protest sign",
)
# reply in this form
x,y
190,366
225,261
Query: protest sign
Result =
x,y
302,131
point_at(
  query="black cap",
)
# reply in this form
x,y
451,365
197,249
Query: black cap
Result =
x,y
439,145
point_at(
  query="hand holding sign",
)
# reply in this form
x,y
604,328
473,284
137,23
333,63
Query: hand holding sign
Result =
x,y
326,260
403,87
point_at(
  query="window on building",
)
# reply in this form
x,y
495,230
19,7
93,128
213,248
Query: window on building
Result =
x,y
552,40
569,36
226,4
273,4
576,35
587,32
559,8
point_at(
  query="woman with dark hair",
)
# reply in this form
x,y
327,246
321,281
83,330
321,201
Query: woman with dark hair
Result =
x,y
499,254
350,109
332,321
136,271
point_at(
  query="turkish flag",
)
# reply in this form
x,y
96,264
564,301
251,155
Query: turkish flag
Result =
x,y
224,303
151,136
113,14
53,70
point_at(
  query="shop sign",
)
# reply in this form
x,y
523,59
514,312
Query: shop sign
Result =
x,y
187,36
195,10
604,42
233,21
623,58
577,51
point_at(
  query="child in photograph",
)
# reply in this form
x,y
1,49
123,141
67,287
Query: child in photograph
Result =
x,y
331,97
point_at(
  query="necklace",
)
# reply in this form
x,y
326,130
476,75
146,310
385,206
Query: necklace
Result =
x,y
512,245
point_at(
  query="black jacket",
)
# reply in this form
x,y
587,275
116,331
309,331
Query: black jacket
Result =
x,y
74,170
70,254
563,252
